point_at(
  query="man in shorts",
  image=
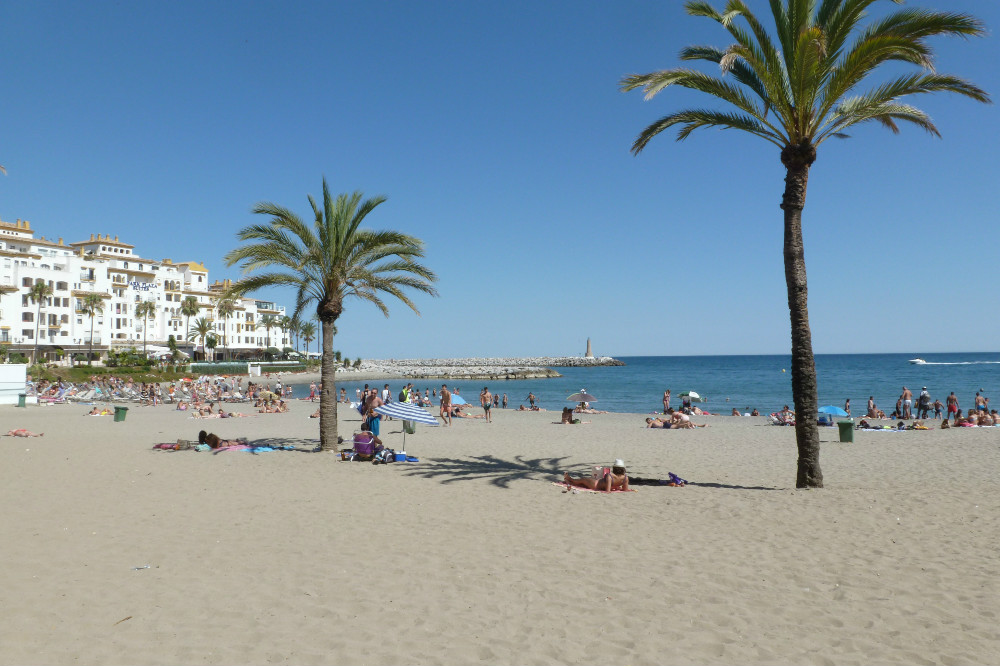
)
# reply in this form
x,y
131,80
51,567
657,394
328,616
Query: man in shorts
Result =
x,y
907,403
445,404
952,403
486,400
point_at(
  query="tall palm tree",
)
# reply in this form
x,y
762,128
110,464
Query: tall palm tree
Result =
x,y
295,326
284,324
144,311
38,293
308,333
327,264
268,322
189,308
225,307
202,329
796,93
91,305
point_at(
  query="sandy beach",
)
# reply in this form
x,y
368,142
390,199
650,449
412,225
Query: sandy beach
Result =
x,y
472,555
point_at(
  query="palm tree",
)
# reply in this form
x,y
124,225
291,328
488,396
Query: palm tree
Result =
x,y
38,293
91,305
284,323
308,333
327,264
796,93
144,311
226,307
189,308
295,326
202,329
268,322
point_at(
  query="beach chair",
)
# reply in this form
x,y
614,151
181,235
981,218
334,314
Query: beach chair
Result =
x,y
364,446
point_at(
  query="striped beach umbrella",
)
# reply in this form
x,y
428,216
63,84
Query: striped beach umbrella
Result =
x,y
407,412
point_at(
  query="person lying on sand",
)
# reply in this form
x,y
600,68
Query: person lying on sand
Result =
x,y
522,408
682,420
458,413
314,415
657,423
98,411
616,479
587,410
21,432
215,442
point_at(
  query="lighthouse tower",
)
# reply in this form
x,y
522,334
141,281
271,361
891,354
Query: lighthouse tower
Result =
x,y
590,353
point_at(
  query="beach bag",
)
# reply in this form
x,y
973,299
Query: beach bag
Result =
x,y
402,396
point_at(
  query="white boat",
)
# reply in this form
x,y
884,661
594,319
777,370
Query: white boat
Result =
x,y
917,361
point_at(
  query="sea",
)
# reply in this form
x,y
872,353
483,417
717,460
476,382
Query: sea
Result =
x,y
741,382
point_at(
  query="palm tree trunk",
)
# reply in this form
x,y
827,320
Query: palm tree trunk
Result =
x,y
797,160
328,437
90,357
38,320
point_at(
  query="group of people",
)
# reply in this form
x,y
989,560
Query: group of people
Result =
x,y
908,408
676,419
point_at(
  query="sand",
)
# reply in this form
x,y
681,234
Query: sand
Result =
x,y
472,555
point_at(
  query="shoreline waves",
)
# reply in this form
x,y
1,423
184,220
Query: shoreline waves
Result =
x,y
472,555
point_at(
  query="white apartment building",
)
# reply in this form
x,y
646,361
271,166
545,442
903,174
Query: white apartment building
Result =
x,y
110,268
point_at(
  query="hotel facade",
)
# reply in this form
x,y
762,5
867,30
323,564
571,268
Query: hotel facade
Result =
x,y
110,268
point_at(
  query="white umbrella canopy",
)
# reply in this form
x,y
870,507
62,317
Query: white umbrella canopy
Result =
x,y
692,396
582,396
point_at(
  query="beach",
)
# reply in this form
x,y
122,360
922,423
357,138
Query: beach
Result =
x,y
472,555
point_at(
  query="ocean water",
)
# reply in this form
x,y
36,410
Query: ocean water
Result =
x,y
743,382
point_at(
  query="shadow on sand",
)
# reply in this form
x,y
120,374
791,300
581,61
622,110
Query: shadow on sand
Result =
x,y
499,472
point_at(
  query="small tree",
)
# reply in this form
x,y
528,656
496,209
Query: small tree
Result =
x,y
144,311
91,305
38,293
211,343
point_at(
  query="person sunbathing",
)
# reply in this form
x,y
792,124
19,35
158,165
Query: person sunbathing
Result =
x,y
182,406
657,423
215,442
682,420
587,410
457,412
616,479
97,411
314,415
22,432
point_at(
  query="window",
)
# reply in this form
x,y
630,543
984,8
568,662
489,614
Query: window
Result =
x,y
61,286
28,334
26,282
27,316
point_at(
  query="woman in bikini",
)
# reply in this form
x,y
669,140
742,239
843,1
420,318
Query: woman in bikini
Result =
x,y
616,479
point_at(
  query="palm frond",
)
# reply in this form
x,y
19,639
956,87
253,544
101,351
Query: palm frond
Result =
x,y
693,119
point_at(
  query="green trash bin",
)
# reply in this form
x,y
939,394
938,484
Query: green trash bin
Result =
x,y
846,430
120,413
20,399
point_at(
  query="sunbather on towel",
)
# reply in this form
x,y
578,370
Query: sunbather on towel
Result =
x,y
616,479
215,442
657,423
21,432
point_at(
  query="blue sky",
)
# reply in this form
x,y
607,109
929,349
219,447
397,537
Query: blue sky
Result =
x,y
500,137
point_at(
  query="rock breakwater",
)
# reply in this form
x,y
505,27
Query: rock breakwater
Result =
x,y
533,367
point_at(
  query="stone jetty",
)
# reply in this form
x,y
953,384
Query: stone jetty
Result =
x,y
534,367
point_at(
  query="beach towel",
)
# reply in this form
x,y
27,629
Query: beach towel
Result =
x,y
588,490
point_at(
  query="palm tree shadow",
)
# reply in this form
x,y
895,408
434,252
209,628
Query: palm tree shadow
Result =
x,y
729,486
499,472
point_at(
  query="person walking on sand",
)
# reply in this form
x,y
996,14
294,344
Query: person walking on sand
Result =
x,y
486,400
847,406
907,399
872,414
505,401
666,401
445,404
